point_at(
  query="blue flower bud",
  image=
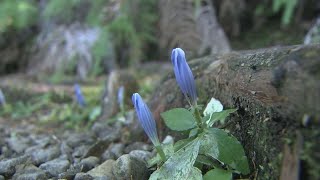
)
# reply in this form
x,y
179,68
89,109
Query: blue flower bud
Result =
x,y
145,118
79,97
183,74
2,98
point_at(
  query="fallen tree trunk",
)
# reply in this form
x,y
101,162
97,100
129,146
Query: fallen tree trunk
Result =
x,y
277,93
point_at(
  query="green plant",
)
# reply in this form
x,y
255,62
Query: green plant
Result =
x,y
287,8
17,14
207,150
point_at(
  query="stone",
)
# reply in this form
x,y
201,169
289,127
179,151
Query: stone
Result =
x,y
8,167
137,146
141,155
40,156
103,170
2,177
29,172
105,131
77,139
55,167
83,176
128,167
107,155
89,163
117,149
71,172
80,151
19,143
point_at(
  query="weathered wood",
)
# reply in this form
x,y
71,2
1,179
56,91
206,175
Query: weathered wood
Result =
x,y
277,93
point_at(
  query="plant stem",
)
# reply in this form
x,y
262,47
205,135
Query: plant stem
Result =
x,y
198,117
161,153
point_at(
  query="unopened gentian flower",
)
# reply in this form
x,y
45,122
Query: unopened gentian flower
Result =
x,y
184,74
79,97
2,98
145,118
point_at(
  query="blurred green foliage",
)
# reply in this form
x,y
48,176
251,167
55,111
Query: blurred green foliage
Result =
x,y
127,33
53,107
17,14
285,7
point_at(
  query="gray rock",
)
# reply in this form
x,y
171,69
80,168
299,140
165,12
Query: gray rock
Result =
x,y
29,172
80,151
40,156
141,155
137,146
103,170
117,149
104,131
71,172
83,176
107,155
1,177
98,148
19,143
77,139
89,163
8,167
128,167
43,140
55,167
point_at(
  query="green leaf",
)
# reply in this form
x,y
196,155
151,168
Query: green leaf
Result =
x,y
219,116
181,143
208,161
179,119
180,164
193,132
225,148
168,151
213,106
95,113
218,174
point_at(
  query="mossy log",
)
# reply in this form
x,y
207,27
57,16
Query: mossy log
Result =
x,y
277,94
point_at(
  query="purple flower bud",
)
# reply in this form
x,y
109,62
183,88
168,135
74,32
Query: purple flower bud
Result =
x,y
145,118
2,98
79,97
183,74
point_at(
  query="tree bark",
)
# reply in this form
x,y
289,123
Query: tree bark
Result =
x,y
277,94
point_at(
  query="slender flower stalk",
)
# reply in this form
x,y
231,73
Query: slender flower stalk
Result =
x,y
147,122
79,97
184,75
121,98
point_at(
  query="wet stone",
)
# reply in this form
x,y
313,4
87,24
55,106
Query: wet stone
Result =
x,y
40,156
141,155
89,163
117,149
75,139
80,151
103,170
55,167
127,167
83,176
137,146
107,155
8,167
71,172
19,143
29,172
